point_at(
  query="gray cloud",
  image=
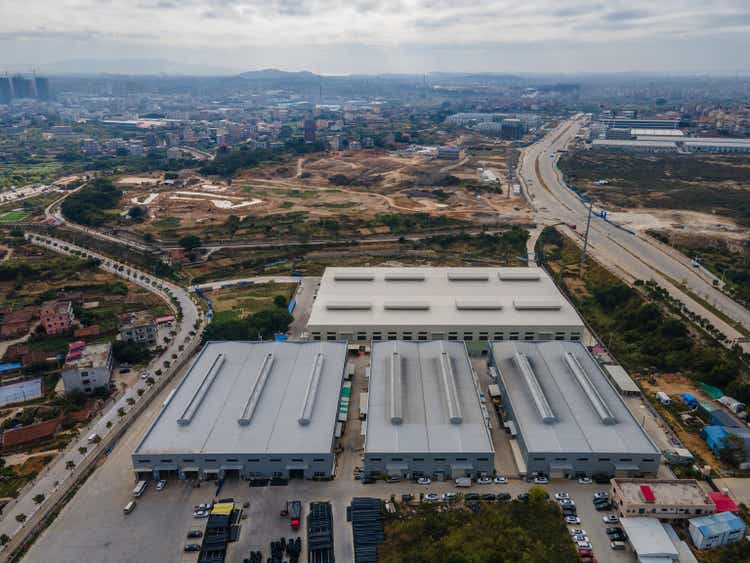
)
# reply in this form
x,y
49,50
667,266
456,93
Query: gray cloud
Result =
x,y
330,35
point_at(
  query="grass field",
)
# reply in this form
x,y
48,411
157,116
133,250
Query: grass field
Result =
x,y
241,301
14,216
706,183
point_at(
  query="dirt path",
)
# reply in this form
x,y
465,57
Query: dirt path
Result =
x,y
18,459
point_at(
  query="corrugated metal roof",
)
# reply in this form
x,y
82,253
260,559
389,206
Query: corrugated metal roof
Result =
x,y
440,408
622,379
216,423
578,427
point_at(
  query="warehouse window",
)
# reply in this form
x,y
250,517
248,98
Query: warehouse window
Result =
x,y
452,336
418,459
626,459
232,460
483,336
376,336
210,460
406,336
144,461
601,459
331,336
319,474
559,336
253,460
422,336
648,459
468,336
397,459
462,459
561,459
538,459
165,460
376,459
316,335
498,336
297,460
392,336
575,336
529,336
513,336
361,336
319,460
582,459
439,459
483,459
275,460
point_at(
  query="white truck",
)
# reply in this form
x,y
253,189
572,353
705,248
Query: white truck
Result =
x,y
663,398
463,482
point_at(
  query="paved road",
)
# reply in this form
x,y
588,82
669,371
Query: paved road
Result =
x,y
629,256
255,279
55,474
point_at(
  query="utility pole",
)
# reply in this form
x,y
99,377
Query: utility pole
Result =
x,y
585,240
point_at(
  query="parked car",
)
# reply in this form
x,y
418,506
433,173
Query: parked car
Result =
x,y
471,496
577,532
160,485
503,496
501,480
610,519
566,502
618,537
560,496
488,496
584,481
613,530
449,497
603,506
484,481
588,560
572,520
463,482
202,507
580,538
424,481
601,494
541,480
583,545
200,514
431,497
193,547
585,552
393,479
368,480
195,534
523,497
618,545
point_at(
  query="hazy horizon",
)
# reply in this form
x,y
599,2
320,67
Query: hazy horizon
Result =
x,y
368,37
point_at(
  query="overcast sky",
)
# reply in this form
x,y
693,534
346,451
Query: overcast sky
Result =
x,y
337,36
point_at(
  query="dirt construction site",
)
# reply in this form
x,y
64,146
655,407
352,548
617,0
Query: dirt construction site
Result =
x,y
329,185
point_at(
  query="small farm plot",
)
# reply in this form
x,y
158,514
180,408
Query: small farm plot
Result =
x,y
14,216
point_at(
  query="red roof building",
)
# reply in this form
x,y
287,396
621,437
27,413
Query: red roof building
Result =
x,y
723,502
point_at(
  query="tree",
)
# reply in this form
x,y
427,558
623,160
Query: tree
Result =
x,y
137,213
21,518
70,465
130,401
121,412
4,539
109,424
280,301
232,224
190,242
130,352
82,450
39,499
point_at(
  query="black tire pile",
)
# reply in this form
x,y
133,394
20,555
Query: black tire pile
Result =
x,y
291,547
367,528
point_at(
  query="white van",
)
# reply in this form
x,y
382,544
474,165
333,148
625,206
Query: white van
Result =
x,y
140,488
129,507
463,482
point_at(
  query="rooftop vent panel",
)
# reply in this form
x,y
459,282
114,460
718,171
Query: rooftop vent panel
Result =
x,y
478,305
537,304
519,275
406,306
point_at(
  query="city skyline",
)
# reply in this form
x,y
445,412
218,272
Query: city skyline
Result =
x,y
399,36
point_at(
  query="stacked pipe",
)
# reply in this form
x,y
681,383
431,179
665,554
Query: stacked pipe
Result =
x,y
367,528
320,533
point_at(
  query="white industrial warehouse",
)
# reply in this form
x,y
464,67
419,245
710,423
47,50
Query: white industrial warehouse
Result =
x,y
249,410
469,304
424,415
566,416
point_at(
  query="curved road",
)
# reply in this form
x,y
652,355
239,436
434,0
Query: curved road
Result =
x,y
629,256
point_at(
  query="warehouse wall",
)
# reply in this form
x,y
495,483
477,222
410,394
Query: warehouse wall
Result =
x,y
434,466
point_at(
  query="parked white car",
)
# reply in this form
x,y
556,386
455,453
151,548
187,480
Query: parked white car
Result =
x,y
424,481
560,496
484,481
541,480
584,481
160,485
501,480
611,519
